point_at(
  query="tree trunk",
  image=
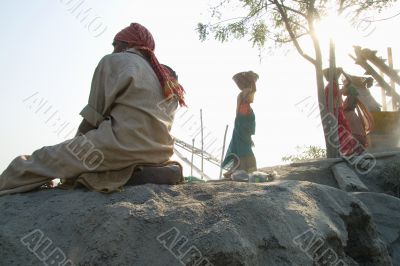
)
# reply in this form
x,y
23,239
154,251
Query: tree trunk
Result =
x,y
325,121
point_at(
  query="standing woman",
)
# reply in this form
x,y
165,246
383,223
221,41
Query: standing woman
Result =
x,y
240,148
346,141
360,119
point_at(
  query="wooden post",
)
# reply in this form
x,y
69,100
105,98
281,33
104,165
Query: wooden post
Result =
x,y
202,144
191,162
223,151
392,83
383,94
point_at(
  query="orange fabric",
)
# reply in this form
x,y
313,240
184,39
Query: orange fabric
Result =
x,y
244,108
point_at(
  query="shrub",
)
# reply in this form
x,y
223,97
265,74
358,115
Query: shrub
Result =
x,y
306,153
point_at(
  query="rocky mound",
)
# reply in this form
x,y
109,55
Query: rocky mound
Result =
x,y
279,223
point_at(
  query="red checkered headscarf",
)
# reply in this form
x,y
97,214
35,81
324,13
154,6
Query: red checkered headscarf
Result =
x,y
140,38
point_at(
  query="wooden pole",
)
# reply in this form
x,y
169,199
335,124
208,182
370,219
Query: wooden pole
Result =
x,y
333,105
223,151
383,94
191,162
392,82
202,144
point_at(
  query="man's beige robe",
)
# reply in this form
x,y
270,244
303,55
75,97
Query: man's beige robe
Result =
x,y
133,121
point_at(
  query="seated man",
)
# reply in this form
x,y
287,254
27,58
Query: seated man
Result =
x,y
126,123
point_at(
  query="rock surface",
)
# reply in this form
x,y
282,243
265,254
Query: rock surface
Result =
x,y
385,212
230,223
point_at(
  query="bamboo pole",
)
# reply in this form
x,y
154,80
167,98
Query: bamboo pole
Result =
x,y
334,151
383,94
202,144
359,60
379,63
223,151
392,82
191,162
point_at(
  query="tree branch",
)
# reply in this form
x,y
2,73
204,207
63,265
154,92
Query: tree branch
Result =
x,y
226,20
287,41
301,26
291,33
294,11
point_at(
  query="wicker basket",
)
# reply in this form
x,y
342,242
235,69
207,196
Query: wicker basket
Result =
x,y
245,79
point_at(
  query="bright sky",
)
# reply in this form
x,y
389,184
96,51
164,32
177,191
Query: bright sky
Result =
x,y
48,54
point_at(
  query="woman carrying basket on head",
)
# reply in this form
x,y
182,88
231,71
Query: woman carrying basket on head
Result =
x,y
240,148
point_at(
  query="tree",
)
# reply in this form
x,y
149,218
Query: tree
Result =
x,y
284,21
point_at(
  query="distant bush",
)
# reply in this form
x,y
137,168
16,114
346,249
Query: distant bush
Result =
x,y
391,178
306,153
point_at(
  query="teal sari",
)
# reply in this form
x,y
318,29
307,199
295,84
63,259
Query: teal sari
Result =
x,y
241,143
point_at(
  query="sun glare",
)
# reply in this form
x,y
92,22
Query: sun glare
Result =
x,y
343,34
335,27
